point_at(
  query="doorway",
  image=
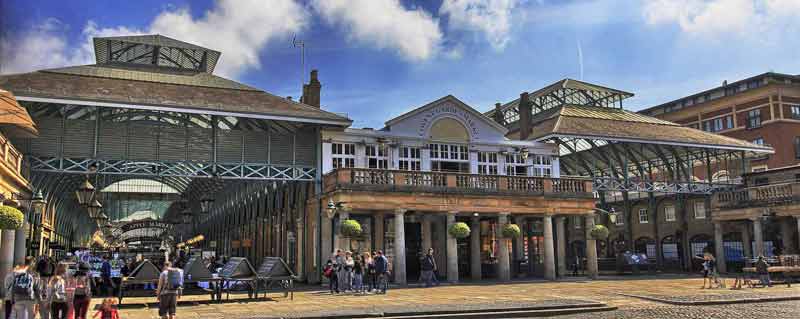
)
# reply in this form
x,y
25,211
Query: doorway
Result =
x,y
413,234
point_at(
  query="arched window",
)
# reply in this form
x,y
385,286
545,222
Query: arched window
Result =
x,y
720,176
669,248
449,129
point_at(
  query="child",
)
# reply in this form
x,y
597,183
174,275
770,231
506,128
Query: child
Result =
x,y
107,310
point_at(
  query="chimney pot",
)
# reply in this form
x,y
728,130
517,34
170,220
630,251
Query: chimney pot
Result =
x,y
312,90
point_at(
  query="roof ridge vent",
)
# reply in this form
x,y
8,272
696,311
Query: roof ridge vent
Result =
x,y
155,49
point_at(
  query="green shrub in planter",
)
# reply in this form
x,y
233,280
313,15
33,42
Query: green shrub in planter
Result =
x,y
11,218
459,230
350,228
599,232
511,231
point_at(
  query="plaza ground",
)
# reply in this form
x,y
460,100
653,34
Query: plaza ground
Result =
x,y
627,295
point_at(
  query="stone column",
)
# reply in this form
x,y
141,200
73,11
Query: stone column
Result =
x,y
399,261
549,251
300,239
503,262
719,247
342,242
452,250
19,244
746,241
427,234
758,234
561,247
326,248
591,248
6,253
475,248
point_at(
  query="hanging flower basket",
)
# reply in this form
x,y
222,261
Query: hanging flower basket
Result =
x,y
11,218
350,228
511,231
599,232
459,230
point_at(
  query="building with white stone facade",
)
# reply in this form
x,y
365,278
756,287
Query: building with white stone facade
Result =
x,y
440,164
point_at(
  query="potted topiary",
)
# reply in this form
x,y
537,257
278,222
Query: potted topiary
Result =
x,y
11,218
350,228
459,230
511,231
599,232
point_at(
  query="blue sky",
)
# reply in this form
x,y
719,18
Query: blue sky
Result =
x,y
380,58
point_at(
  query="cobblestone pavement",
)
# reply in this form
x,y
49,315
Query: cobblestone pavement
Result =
x,y
764,310
467,296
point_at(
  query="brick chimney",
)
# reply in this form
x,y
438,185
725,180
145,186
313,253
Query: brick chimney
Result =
x,y
311,91
524,116
498,115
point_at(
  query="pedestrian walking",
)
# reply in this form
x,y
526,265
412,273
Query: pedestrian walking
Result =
x,y
105,276
45,268
82,286
57,294
23,286
428,267
382,269
762,268
168,291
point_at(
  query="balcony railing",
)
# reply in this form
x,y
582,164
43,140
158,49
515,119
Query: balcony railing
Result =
x,y
378,179
10,156
766,195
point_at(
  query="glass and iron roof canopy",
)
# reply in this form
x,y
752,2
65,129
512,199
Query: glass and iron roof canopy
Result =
x,y
598,138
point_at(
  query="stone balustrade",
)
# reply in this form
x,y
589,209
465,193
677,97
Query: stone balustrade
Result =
x,y
773,194
454,182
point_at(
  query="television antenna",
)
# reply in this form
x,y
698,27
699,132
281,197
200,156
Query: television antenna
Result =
x,y
298,43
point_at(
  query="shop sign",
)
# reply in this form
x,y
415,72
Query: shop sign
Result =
x,y
247,243
235,243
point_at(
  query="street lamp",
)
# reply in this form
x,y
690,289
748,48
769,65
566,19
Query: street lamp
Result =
x,y
333,208
94,209
85,193
205,204
612,215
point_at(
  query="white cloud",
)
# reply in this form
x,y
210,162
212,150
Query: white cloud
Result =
x,y
490,17
239,29
710,18
385,24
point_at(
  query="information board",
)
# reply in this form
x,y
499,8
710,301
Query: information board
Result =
x,y
195,269
238,268
272,267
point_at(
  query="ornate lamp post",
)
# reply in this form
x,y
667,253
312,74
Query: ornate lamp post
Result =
x,y
85,193
94,208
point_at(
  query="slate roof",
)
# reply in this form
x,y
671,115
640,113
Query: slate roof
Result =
x,y
148,85
618,124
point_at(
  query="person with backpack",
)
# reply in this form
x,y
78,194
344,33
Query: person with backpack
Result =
x,y
57,294
23,287
82,286
168,291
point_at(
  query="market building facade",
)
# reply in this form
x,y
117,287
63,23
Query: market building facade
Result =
x,y
443,163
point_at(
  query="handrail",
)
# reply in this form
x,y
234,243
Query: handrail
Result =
x,y
446,180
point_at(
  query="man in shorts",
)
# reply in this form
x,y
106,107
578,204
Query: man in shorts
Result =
x,y
170,286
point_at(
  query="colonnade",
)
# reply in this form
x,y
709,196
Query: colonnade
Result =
x,y
757,236
552,245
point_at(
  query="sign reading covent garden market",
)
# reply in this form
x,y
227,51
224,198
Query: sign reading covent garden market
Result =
x,y
448,109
